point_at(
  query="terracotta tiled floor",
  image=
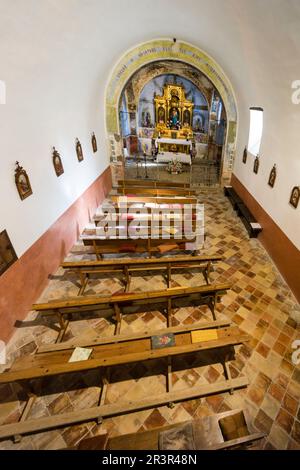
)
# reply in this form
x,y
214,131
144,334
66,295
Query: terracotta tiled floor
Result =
x,y
259,303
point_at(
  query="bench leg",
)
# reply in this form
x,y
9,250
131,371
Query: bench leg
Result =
x,y
63,327
212,305
118,315
206,272
84,279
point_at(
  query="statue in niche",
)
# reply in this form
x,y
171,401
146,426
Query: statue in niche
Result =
x,y
174,118
186,118
161,115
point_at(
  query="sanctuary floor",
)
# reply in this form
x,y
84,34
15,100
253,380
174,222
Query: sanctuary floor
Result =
x,y
259,303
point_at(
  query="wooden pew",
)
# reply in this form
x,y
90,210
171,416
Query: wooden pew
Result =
x,y
139,190
118,351
151,184
112,305
84,269
127,244
118,199
248,219
207,436
175,214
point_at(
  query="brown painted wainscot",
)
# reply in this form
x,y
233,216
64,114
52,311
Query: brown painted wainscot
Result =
x,y
26,279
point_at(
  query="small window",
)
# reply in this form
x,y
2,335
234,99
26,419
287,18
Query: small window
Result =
x,y
255,131
2,92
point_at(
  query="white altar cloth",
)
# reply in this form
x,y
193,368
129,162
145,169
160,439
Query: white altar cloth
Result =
x,y
165,140
166,157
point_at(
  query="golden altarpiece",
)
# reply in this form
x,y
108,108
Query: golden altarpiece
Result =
x,y
173,120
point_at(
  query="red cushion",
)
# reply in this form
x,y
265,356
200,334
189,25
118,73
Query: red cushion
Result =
x,y
131,195
194,216
127,217
127,248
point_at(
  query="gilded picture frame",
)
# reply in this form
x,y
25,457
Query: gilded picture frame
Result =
x,y
79,150
256,165
272,177
295,196
94,142
7,252
57,162
22,182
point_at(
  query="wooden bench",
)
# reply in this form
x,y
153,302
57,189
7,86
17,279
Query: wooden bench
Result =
x,y
117,199
111,305
251,224
127,244
152,184
84,269
140,190
206,431
117,352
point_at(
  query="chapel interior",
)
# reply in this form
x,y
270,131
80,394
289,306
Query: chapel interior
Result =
x,y
150,225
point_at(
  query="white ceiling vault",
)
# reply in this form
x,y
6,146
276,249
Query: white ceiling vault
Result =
x,y
57,56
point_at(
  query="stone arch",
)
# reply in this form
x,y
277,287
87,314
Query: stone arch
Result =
x,y
158,50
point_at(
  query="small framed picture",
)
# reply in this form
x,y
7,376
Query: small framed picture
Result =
x,y
58,166
79,150
94,143
7,253
272,177
245,154
22,182
295,196
256,165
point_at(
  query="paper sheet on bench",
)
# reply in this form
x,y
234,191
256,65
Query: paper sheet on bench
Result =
x,y
80,354
204,335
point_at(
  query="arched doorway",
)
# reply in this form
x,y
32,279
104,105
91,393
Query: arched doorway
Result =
x,y
166,50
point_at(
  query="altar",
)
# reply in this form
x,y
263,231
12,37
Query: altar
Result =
x,y
166,157
173,145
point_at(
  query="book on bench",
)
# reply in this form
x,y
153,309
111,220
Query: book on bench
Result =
x,y
162,341
204,335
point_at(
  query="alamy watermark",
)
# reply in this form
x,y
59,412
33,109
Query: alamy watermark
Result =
x,y
2,92
157,221
2,353
296,94
296,354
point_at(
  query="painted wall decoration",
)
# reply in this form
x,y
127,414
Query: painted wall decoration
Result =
x,y
272,177
79,150
57,162
22,182
256,165
7,253
245,154
94,142
295,196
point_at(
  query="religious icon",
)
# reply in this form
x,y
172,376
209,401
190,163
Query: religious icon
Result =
x,y
7,253
79,150
22,182
272,177
295,196
256,165
161,115
58,166
94,143
245,154
186,118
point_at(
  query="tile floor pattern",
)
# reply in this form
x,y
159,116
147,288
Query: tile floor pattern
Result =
x,y
259,303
